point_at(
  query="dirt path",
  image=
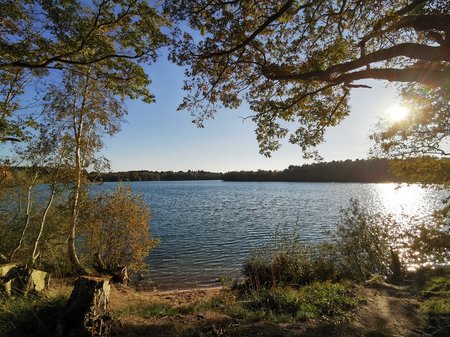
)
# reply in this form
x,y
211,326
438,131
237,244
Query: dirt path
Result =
x,y
389,311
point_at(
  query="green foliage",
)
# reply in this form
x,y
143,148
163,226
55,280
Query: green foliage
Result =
x,y
318,300
366,242
144,175
116,226
366,170
97,49
434,285
361,246
331,301
425,170
295,62
24,202
362,243
429,241
420,141
39,36
437,306
437,286
425,131
286,261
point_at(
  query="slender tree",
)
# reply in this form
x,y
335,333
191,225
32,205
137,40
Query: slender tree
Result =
x,y
83,108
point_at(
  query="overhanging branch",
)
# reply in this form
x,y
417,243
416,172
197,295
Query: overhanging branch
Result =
x,y
434,78
343,70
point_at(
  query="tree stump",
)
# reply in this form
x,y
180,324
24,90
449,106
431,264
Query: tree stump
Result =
x,y
396,267
87,312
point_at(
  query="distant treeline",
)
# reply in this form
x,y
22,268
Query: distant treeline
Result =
x,y
155,176
367,170
364,170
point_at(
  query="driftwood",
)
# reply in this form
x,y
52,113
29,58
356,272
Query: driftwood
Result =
x,y
87,313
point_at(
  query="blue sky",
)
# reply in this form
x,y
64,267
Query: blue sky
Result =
x,y
158,137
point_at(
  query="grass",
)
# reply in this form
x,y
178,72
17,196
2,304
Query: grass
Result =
x,y
154,310
20,316
327,300
324,300
434,288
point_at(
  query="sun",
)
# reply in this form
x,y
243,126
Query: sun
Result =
x,y
397,113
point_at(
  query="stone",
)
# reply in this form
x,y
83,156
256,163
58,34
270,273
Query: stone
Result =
x,y
21,280
5,286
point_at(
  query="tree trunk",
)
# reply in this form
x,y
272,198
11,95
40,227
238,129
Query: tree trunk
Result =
x,y
71,249
28,217
35,254
87,313
78,135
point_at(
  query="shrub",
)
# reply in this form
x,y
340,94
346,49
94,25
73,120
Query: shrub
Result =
x,y
117,230
363,243
258,273
287,261
284,261
429,242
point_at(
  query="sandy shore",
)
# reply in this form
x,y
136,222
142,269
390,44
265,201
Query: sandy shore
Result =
x,y
122,296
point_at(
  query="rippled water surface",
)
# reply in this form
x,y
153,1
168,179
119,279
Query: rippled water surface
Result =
x,y
207,228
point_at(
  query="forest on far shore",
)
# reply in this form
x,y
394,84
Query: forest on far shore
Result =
x,y
360,170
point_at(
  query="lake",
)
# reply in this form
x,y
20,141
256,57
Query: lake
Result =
x,y
207,228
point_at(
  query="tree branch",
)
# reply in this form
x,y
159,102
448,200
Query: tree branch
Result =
x,y
246,41
57,59
418,22
410,50
434,78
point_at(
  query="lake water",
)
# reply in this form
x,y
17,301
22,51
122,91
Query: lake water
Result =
x,y
207,228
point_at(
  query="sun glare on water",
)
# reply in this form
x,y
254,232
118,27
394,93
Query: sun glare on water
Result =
x,y
397,113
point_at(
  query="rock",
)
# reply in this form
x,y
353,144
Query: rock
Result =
x,y
87,313
5,286
21,280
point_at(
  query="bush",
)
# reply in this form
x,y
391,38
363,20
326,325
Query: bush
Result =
x,y
258,273
369,243
117,230
285,261
363,244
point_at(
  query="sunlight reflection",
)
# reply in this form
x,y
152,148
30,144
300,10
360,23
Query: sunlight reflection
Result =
x,y
402,199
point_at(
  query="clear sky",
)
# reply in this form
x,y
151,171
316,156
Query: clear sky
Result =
x,y
158,137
